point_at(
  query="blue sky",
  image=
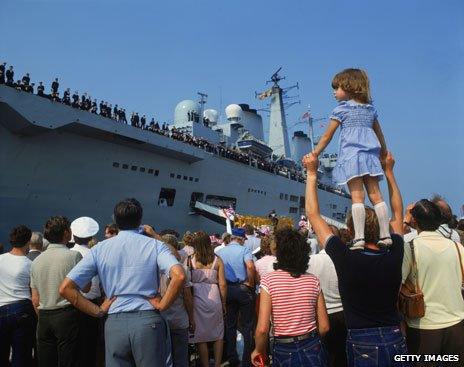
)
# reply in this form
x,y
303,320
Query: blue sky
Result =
x,y
148,55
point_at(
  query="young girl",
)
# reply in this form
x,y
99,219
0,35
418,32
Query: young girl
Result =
x,y
362,145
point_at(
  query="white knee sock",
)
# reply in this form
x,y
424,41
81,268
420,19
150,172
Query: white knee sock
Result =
x,y
359,217
381,210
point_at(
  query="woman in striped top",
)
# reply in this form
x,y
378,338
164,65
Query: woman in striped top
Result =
x,y
295,302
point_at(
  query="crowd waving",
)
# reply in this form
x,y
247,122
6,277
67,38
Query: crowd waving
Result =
x,y
118,114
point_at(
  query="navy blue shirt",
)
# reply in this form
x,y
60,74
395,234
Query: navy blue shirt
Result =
x,y
369,282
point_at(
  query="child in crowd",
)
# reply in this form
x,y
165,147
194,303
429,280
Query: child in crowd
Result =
x,y
362,145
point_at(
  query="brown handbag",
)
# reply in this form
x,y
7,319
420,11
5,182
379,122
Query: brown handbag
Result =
x,y
411,299
462,269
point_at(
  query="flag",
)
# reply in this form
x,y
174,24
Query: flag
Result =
x,y
306,116
265,94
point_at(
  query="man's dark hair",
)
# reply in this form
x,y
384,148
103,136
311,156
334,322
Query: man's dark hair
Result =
x,y
55,228
460,225
249,229
128,214
112,228
445,209
20,236
82,241
292,252
427,215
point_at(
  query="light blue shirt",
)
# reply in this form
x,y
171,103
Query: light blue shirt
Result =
x,y
234,256
128,266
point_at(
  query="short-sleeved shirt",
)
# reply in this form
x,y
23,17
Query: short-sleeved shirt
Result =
x,y
15,272
48,271
439,278
128,266
294,302
369,282
321,265
234,257
94,291
252,243
265,265
176,315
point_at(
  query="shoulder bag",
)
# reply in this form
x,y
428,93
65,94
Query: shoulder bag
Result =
x,y
411,299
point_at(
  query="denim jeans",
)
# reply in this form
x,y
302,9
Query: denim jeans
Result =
x,y
308,352
375,347
17,330
179,344
240,302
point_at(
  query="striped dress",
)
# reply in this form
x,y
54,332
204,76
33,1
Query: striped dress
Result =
x,y
294,302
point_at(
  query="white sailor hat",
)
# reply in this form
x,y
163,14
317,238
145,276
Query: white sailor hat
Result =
x,y
84,227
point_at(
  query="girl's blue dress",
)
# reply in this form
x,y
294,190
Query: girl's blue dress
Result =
x,y
359,146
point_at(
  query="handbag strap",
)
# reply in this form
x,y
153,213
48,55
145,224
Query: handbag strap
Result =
x,y
414,267
460,262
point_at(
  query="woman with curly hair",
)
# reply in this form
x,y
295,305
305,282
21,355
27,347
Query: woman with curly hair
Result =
x,y
295,302
209,297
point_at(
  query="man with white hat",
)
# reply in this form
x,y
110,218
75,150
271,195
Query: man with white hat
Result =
x,y
83,229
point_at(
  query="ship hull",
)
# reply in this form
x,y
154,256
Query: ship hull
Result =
x,y
52,170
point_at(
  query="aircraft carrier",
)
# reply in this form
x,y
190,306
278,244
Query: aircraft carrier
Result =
x,y
60,160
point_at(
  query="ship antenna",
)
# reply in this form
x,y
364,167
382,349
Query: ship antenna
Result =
x,y
311,129
276,78
202,102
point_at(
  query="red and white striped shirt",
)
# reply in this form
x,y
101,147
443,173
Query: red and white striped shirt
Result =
x,y
294,302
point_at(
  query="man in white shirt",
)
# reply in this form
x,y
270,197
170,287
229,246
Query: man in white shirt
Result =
x,y
17,316
322,266
83,230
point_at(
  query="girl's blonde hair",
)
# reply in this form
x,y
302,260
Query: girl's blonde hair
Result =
x,y
355,82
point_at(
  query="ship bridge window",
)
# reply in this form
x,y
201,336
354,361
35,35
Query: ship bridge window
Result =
x,y
293,210
294,198
134,168
115,164
142,169
196,196
166,197
196,179
302,201
221,201
125,166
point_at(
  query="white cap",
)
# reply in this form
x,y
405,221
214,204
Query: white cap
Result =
x,y
84,227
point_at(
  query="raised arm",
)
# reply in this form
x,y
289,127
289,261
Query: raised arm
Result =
x,y
383,145
327,137
313,213
396,201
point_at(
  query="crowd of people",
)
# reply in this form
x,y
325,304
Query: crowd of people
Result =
x,y
116,113
146,298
